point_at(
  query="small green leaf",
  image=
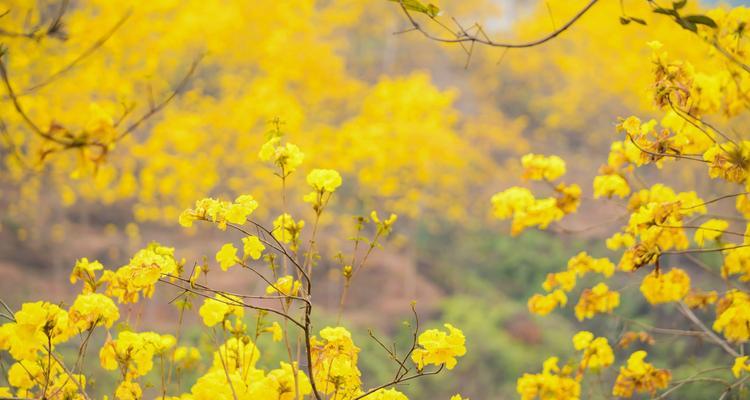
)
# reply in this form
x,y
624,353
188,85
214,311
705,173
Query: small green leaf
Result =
x,y
687,24
417,6
701,20
433,10
679,4
666,11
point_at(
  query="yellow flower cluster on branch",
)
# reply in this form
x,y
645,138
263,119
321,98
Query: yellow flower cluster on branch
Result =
x,y
659,287
525,210
439,348
639,376
552,383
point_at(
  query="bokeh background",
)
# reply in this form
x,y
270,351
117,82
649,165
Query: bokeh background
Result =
x,y
416,128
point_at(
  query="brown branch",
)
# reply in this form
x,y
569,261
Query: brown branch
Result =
x,y
90,50
463,36
154,109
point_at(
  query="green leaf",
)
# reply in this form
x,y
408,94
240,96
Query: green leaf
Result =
x,y
417,6
679,4
666,11
687,25
701,20
433,10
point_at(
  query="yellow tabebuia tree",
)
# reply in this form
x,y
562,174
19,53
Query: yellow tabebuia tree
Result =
x,y
322,362
702,101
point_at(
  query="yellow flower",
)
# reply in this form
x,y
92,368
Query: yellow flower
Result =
x,y
25,374
252,247
665,287
729,161
277,334
36,324
610,185
146,267
287,157
86,272
389,394
196,274
631,125
324,180
552,383
583,263
186,218
220,212
598,299
710,230
439,347
187,357
214,385
582,339
566,280
733,316
334,358
539,167
620,240
133,353
236,355
737,261
511,201
544,304
285,285
569,197
282,380
128,390
640,376
597,353
214,311
93,309
740,366
698,299
227,256
286,230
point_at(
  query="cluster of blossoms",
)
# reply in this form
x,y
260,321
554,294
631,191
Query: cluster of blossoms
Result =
x,y
525,210
640,376
220,212
598,299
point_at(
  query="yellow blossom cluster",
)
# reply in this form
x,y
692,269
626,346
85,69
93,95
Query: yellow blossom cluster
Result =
x,y
335,356
539,167
552,383
659,287
639,376
597,353
525,210
287,156
220,212
142,273
323,182
733,316
598,299
737,262
543,304
216,310
438,347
